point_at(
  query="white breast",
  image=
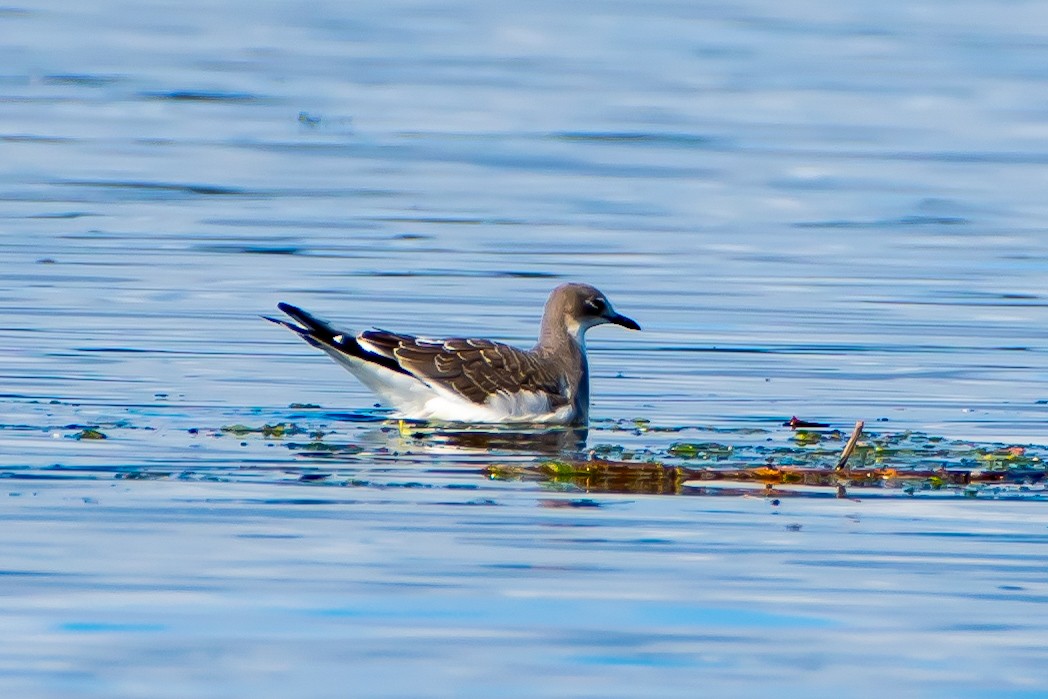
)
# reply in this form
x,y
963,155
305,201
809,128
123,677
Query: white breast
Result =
x,y
523,406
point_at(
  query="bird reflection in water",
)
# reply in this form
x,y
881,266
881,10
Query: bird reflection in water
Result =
x,y
566,441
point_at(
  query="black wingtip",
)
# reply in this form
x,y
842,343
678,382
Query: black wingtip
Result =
x,y
304,333
321,335
297,313
310,323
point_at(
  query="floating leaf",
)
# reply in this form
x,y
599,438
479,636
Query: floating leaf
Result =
x,y
806,437
276,430
700,450
280,429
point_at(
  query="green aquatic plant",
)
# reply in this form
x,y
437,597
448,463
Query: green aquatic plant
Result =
x,y
276,430
705,451
912,463
632,456
238,429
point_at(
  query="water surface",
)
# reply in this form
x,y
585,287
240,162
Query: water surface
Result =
x,y
818,210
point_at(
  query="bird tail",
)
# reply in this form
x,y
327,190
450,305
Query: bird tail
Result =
x,y
310,328
337,343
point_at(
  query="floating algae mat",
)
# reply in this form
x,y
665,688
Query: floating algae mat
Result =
x,y
895,463
310,446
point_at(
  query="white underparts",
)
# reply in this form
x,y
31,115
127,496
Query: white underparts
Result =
x,y
418,400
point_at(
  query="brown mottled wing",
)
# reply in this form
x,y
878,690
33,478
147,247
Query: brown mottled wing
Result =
x,y
474,369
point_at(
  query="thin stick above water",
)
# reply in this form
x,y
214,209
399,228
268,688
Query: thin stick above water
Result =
x,y
849,447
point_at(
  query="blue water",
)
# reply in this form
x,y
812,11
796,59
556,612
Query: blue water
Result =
x,y
815,209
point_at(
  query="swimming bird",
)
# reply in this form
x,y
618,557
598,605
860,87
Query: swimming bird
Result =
x,y
474,380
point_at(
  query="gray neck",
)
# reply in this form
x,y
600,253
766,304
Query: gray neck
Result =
x,y
567,351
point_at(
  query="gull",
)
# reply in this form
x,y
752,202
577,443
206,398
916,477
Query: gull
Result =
x,y
469,380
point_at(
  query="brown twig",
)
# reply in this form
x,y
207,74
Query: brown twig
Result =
x,y
849,447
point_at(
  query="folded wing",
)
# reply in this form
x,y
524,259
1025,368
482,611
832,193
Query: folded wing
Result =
x,y
471,368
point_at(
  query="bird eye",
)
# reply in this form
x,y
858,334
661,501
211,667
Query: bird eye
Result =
x,y
596,305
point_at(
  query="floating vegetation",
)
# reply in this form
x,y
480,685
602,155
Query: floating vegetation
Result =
x,y
142,475
280,429
323,448
634,426
599,476
706,451
910,462
317,448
